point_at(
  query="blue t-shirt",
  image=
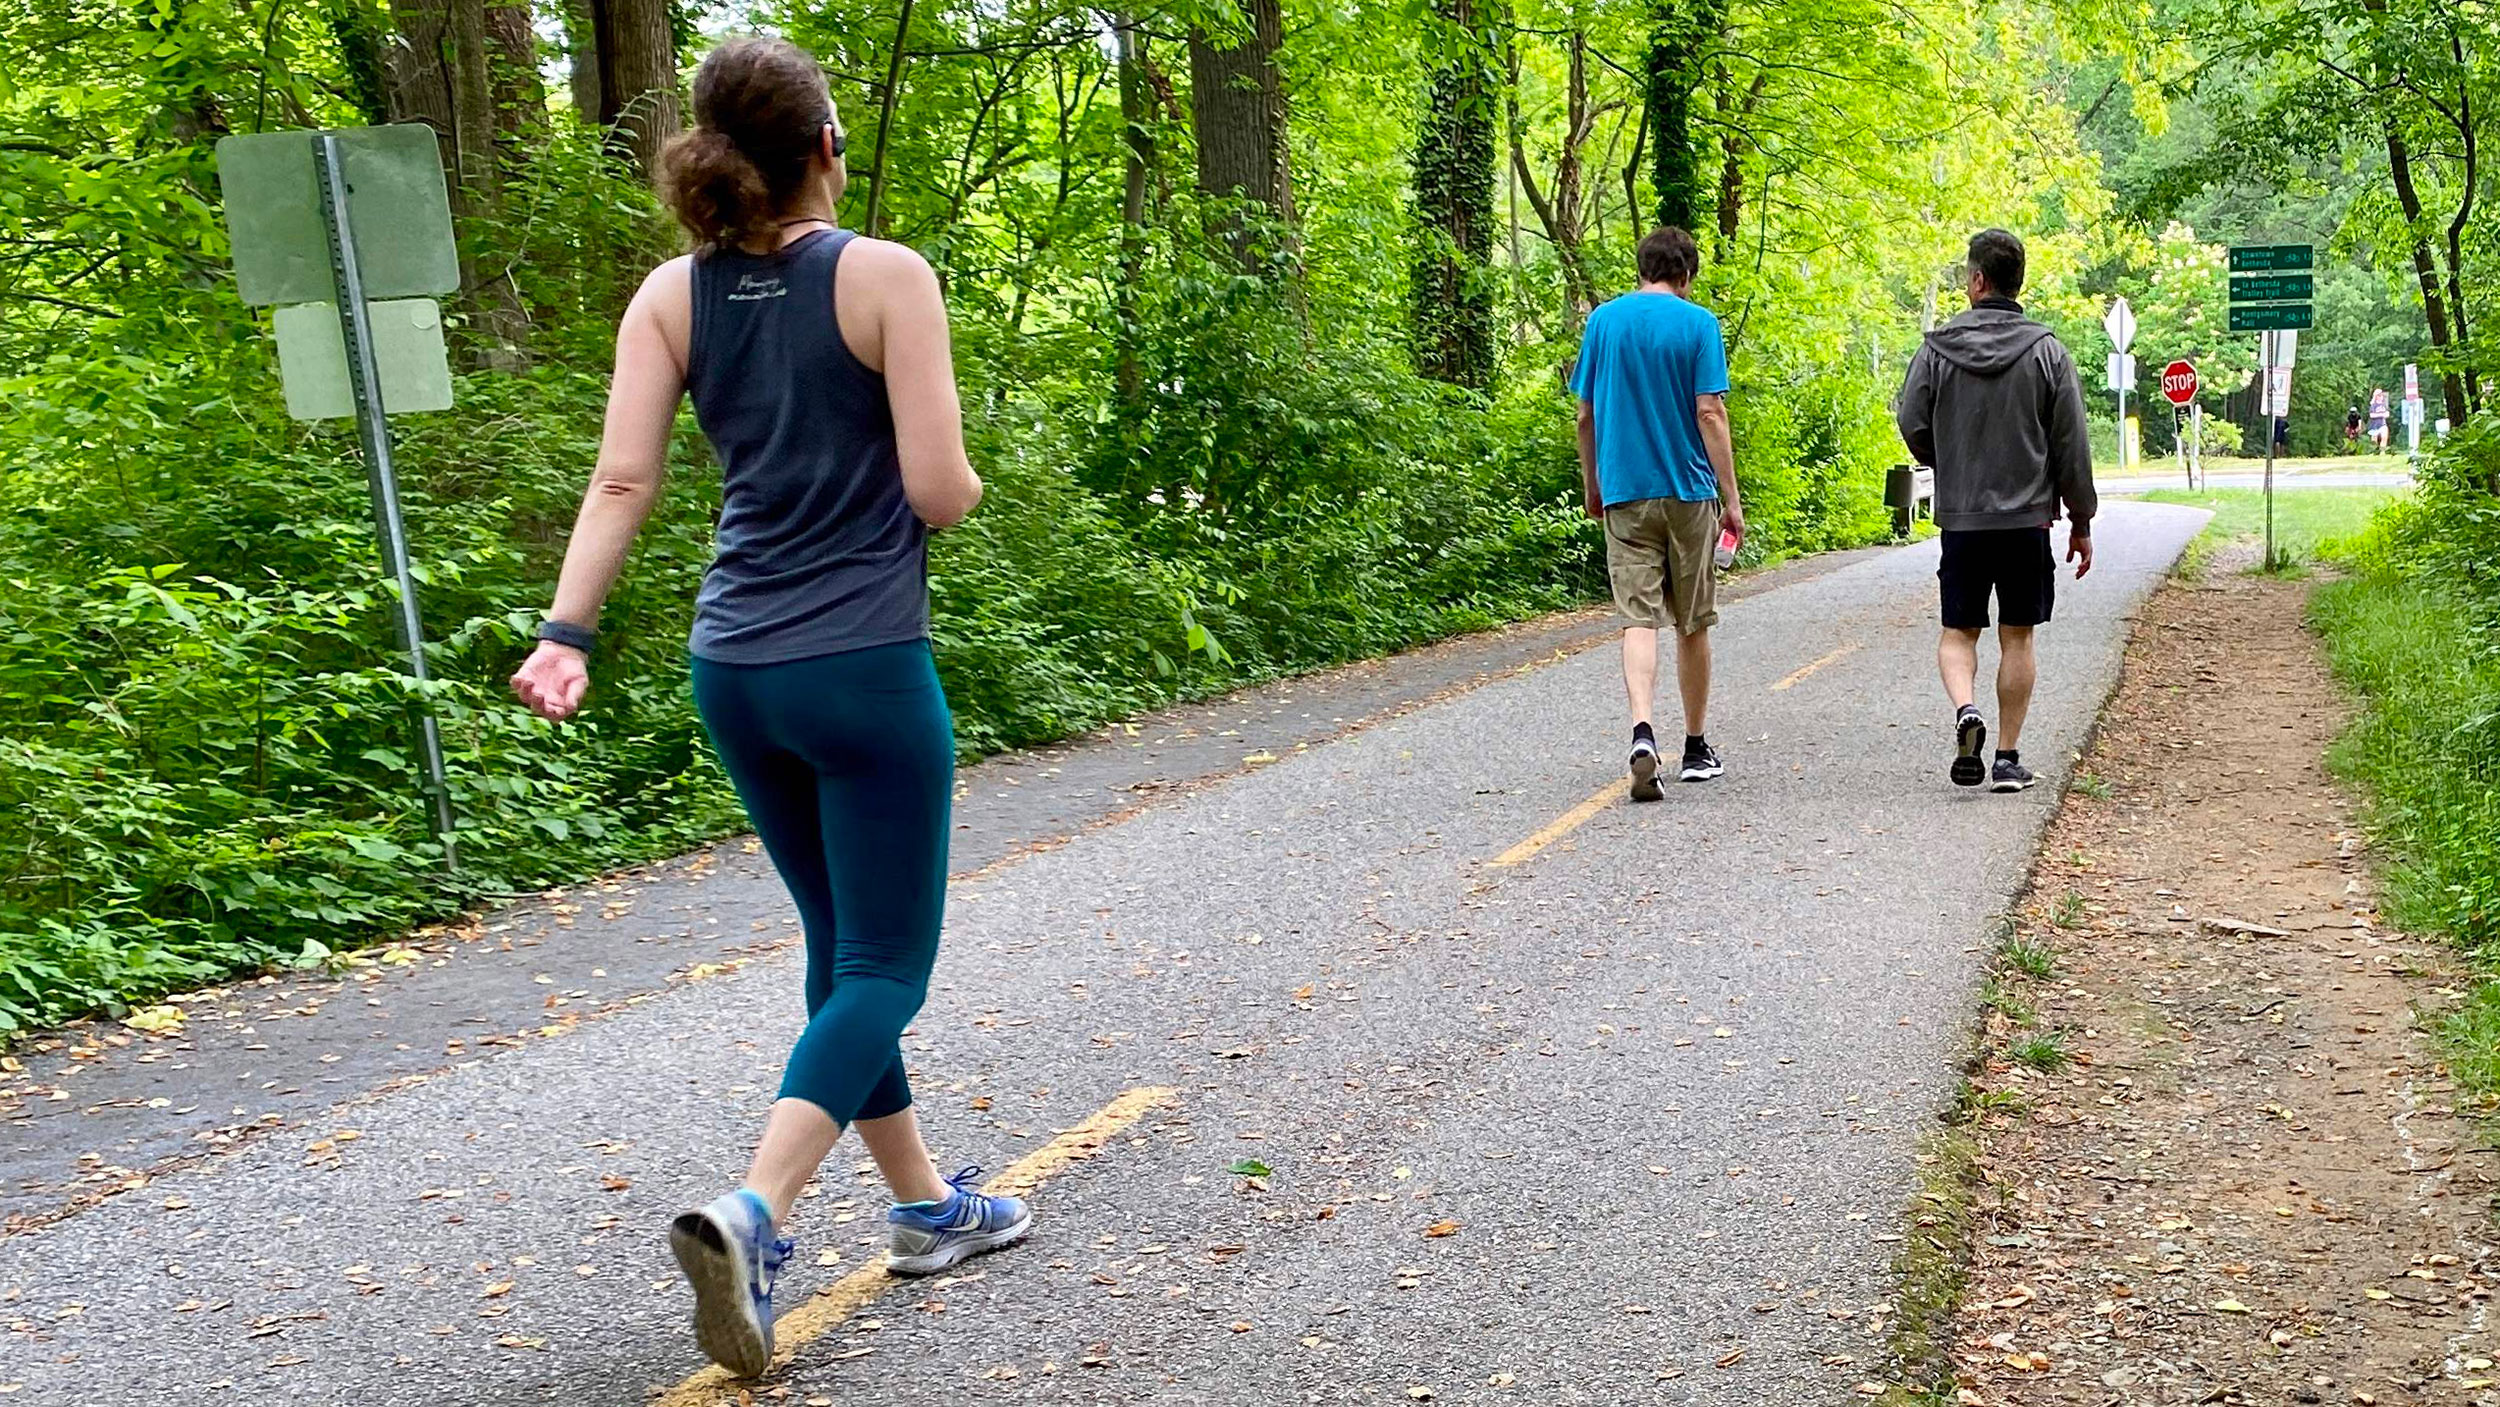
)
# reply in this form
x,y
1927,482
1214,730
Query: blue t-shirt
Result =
x,y
1644,357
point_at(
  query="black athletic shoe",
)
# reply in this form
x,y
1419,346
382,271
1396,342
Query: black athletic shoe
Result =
x,y
2009,775
1645,771
1701,763
1970,744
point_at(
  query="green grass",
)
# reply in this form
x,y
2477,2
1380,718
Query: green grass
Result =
x,y
2028,958
2044,1052
2070,911
2426,745
2309,524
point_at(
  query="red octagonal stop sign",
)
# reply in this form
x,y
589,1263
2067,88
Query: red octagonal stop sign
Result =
x,y
2178,382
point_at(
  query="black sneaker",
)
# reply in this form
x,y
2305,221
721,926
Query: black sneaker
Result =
x,y
1970,744
1645,771
1701,763
2009,775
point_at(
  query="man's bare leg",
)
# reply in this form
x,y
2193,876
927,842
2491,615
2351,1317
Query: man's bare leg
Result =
x,y
1640,670
1640,686
1692,678
2018,667
1957,659
1957,662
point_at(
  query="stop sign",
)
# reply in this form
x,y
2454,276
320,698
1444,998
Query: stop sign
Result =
x,y
2178,383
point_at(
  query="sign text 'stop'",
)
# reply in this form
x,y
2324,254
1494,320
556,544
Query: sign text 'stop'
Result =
x,y
2178,382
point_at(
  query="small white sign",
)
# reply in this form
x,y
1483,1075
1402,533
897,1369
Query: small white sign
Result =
x,y
2279,390
2121,372
2413,382
2120,324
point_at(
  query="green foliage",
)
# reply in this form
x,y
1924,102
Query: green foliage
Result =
x,y
2417,636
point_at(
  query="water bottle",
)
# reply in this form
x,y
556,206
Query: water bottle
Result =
x,y
1726,555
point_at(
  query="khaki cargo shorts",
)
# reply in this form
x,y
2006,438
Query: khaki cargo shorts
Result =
x,y
1658,555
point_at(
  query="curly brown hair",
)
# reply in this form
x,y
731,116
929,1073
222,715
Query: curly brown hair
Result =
x,y
760,110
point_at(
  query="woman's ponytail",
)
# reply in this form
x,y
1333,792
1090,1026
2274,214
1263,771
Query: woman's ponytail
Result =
x,y
716,191
760,110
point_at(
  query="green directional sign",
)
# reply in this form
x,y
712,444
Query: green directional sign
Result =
x,y
2271,258
2270,317
2273,288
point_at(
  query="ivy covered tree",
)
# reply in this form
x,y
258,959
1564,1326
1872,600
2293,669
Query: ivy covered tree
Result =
x,y
1452,288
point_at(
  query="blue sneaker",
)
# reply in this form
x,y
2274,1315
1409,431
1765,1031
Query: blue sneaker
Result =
x,y
730,1256
923,1238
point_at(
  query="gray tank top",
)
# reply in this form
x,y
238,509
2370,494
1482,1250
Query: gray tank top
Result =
x,y
818,551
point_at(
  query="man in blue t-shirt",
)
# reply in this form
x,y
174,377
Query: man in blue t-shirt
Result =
x,y
1658,469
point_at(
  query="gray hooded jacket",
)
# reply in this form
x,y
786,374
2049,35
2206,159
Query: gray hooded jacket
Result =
x,y
1993,404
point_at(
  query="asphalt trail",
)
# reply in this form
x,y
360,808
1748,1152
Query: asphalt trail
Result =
x,y
1575,1129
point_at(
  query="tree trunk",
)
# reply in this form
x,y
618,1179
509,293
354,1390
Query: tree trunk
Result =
x,y
514,85
1239,96
885,117
581,52
1137,166
1680,38
2425,269
1561,215
1732,116
356,28
473,105
638,97
1450,295
420,75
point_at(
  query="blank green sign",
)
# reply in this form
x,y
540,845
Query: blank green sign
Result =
x,y
407,343
397,209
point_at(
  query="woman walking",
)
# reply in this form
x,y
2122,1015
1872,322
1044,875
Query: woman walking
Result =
x,y
820,371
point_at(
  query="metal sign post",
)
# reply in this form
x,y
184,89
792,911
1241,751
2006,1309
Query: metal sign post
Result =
x,y
2120,325
354,216
364,383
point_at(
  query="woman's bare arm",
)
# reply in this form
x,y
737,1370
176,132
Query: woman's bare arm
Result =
x,y
920,382
633,456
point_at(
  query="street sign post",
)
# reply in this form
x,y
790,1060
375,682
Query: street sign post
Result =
x,y
2178,386
2120,324
301,210
2273,302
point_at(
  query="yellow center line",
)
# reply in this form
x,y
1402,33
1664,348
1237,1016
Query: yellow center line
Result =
x,y
830,1306
1560,826
1791,681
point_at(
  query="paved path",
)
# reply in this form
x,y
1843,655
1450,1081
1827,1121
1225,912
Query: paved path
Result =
x,y
1561,1102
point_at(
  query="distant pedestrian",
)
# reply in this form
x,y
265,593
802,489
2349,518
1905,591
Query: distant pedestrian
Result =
x,y
2378,418
2352,428
821,374
1992,402
1658,468
2282,435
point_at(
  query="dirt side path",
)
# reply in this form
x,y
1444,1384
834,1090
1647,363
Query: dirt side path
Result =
x,y
2246,1184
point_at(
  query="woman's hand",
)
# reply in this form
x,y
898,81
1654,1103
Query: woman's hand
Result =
x,y
552,681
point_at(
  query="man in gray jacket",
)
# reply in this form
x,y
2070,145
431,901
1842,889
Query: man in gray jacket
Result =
x,y
1992,403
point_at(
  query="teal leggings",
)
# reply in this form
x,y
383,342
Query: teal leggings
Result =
x,y
846,763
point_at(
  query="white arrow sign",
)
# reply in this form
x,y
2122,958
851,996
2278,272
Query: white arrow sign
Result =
x,y
2121,326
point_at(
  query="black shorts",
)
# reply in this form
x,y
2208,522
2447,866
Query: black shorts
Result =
x,y
2015,563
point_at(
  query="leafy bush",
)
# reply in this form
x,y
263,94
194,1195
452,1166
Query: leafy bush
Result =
x,y
2417,635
